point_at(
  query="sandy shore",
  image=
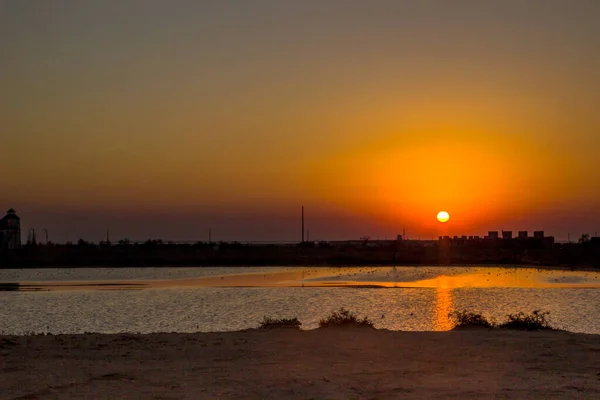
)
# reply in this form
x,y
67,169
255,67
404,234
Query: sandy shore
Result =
x,y
320,364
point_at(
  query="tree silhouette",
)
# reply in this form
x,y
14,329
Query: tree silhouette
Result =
x,y
584,238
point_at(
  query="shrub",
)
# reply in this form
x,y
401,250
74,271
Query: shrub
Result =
x,y
343,317
464,319
83,243
270,323
230,245
535,321
153,243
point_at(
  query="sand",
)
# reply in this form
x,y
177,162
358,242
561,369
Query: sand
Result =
x,y
287,364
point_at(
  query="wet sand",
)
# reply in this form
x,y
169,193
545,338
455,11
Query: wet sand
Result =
x,y
319,364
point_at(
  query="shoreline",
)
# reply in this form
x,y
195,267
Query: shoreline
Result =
x,y
344,363
237,254
280,277
561,267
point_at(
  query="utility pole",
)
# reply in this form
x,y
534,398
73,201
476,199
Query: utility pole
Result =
x,y
302,224
307,235
46,232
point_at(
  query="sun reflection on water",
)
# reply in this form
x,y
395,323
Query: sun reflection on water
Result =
x,y
443,307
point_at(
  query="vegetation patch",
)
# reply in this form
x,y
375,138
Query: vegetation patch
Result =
x,y
465,319
537,320
343,317
274,323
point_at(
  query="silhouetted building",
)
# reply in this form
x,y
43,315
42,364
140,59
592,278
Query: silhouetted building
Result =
x,y
452,241
445,240
10,230
497,238
523,235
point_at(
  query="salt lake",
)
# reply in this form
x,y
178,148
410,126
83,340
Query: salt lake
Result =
x,y
201,299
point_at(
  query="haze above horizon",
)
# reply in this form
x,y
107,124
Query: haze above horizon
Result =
x,y
164,119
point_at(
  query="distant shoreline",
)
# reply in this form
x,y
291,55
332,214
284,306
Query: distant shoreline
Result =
x,y
280,276
584,257
584,268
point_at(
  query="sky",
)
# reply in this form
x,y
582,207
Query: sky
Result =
x,y
164,119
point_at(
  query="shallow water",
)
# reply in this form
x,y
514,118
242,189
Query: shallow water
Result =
x,y
111,300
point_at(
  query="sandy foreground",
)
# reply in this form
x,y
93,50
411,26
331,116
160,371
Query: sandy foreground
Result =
x,y
333,363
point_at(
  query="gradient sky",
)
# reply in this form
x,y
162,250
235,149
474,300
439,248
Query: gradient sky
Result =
x,y
165,118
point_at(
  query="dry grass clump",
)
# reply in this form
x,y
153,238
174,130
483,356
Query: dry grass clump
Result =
x,y
274,323
465,319
537,320
343,317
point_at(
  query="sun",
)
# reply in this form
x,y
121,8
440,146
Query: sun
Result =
x,y
443,216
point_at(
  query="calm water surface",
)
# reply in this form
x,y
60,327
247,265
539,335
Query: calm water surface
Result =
x,y
111,300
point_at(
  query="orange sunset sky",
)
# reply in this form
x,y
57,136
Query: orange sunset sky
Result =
x,y
166,118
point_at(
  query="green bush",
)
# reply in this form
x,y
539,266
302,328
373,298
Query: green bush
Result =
x,y
464,319
537,320
343,317
271,323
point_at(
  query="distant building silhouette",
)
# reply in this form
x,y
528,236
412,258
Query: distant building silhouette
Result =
x,y
493,235
523,235
493,239
10,230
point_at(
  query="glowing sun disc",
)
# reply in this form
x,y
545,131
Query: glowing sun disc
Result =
x,y
443,216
